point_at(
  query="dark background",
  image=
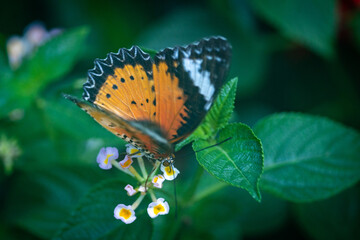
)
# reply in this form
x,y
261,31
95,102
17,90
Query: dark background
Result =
x,y
277,71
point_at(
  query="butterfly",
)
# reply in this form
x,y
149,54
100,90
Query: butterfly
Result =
x,y
154,103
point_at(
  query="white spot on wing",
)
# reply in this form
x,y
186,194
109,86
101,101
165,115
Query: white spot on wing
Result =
x,y
207,89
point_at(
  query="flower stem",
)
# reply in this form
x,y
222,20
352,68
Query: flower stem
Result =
x,y
136,174
137,202
142,167
152,195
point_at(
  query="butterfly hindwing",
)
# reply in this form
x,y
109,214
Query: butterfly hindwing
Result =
x,y
142,134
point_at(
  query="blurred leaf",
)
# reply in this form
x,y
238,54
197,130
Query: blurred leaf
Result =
x,y
4,66
93,218
49,62
41,198
217,117
54,58
69,118
355,27
240,214
334,218
238,161
307,158
312,22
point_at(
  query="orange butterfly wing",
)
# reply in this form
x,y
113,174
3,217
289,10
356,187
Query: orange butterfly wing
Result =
x,y
152,100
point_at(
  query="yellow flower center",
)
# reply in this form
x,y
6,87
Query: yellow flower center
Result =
x,y
125,213
127,163
134,150
106,161
159,208
169,170
156,179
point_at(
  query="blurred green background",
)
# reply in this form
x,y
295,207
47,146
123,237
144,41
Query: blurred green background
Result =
x,y
289,55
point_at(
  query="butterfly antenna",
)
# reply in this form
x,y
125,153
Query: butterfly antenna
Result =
x,y
147,179
216,144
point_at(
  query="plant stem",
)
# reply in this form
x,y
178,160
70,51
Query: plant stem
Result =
x,y
142,167
138,201
152,195
136,174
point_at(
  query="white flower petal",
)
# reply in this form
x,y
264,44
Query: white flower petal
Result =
x,y
126,163
130,190
130,149
105,156
158,181
124,213
170,172
160,207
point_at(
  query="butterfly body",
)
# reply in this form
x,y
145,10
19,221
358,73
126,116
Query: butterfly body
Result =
x,y
155,103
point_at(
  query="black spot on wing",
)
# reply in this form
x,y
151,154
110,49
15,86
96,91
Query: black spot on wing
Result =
x,y
105,67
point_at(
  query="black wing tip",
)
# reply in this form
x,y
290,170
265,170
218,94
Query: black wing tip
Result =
x,y
216,43
123,56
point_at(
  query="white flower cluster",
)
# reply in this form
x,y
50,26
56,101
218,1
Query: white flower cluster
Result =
x,y
126,213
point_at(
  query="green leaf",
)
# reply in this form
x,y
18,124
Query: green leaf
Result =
x,y
42,197
311,22
238,161
55,57
240,213
307,158
49,62
218,116
94,218
220,113
341,212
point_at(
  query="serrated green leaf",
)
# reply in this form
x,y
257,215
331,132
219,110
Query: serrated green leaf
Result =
x,y
238,161
312,22
220,113
93,218
307,158
218,116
